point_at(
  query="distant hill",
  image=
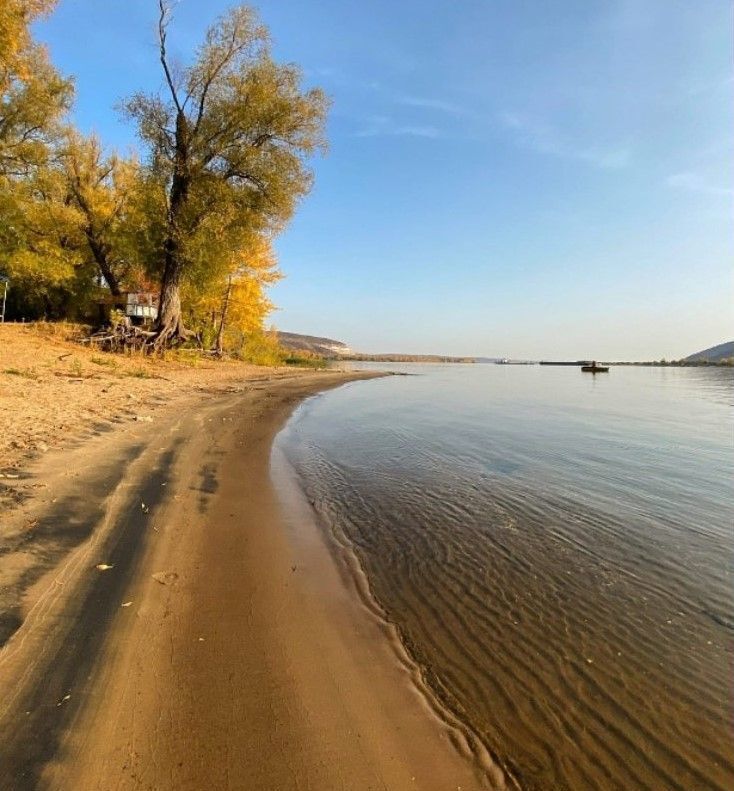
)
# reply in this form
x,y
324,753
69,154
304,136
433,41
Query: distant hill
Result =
x,y
325,347
331,349
713,355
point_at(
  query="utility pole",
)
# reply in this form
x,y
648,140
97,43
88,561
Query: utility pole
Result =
x,y
4,281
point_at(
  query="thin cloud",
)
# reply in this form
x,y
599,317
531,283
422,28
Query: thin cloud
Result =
x,y
431,104
694,182
336,78
546,140
382,126
322,71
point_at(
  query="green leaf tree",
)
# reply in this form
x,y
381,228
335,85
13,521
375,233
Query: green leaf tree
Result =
x,y
105,191
38,244
73,226
228,142
33,98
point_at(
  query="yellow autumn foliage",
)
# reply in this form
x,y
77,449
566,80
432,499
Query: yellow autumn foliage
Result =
x,y
32,93
238,294
79,224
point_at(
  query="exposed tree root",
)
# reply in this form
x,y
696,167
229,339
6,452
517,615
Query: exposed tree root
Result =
x,y
120,337
125,335
170,335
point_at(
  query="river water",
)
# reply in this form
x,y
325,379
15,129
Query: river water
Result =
x,y
555,551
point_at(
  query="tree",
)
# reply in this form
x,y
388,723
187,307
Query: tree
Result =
x,y
228,142
38,249
33,95
73,224
103,189
234,303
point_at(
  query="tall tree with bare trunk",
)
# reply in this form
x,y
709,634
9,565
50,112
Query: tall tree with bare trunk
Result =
x,y
228,138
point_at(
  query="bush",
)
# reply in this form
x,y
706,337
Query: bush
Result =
x,y
262,348
305,361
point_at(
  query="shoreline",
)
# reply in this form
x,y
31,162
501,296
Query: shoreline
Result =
x,y
321,540
210,654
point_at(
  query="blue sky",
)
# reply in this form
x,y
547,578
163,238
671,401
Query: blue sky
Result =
x,y
505,177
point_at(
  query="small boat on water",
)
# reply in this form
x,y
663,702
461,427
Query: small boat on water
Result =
x,y
595,369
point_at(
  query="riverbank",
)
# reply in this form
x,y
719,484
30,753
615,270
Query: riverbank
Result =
x,y
55,390
163,628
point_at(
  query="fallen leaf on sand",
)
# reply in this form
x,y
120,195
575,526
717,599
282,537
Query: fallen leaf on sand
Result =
x,y
126,604
165,577
104,566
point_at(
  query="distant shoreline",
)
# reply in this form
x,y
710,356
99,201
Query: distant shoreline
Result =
x,y
648,363
404,358
431,358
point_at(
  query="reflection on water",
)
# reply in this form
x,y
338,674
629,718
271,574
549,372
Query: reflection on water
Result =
x,y
556,552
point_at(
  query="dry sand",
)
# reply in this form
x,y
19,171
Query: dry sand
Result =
x,y
165,625
53,391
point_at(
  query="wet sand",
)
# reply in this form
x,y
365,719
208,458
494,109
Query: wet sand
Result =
x,y
222,648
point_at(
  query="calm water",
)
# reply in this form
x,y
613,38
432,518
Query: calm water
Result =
x,y
555,550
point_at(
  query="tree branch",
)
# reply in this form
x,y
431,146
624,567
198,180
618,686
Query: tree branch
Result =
x,y
162,24
232,50
234,173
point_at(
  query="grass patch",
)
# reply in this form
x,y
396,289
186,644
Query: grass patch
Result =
x,y
26,373
188,357
317,363
109,362
140,373
58,330
76,367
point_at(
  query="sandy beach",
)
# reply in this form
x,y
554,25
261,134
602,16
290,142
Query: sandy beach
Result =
x,y
166,624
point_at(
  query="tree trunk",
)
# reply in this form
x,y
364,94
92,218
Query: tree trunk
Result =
x,y
220,333
100,250
169,325
100,253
